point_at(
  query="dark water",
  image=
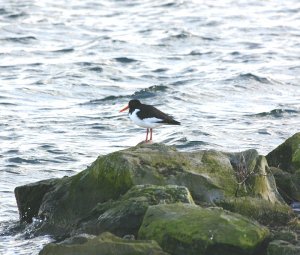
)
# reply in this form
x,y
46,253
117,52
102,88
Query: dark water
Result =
x,y
228,70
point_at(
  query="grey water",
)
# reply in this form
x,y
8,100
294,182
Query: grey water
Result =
x,y
229,71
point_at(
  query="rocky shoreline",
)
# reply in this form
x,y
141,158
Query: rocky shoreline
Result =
x,y
153,199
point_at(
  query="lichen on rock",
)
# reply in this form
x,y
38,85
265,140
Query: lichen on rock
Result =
x,y
125,215
190,229
104,244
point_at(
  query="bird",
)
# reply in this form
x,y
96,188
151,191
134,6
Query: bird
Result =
x,y
147,116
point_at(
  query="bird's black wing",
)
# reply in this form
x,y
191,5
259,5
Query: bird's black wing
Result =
x,y
149,111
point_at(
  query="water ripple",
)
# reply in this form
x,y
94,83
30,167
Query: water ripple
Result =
x,y
23,39
227,70
276,113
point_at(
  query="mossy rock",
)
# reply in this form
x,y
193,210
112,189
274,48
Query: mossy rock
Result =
x,y
70,198
209,175
287,155
288,184
125,216
285,235
254,176
263,211
29,198
190,229
280,247
104,244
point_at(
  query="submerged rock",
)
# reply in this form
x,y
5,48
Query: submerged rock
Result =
x,y
190,229
104,244
125,216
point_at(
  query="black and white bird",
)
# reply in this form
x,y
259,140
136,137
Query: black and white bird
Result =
x,y
148,116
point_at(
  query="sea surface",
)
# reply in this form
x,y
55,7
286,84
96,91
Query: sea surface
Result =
x,y
229,71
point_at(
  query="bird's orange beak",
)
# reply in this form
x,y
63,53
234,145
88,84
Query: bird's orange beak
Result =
x,y
125,108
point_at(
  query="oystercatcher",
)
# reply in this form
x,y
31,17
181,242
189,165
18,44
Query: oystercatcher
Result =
x,y
148,116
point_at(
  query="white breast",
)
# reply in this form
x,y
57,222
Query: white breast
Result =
x,y
147,122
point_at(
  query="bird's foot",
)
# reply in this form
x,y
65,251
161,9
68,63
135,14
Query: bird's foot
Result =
x,y
145,142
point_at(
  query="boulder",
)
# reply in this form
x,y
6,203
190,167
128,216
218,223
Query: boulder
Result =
x,y
210,176
104,244
280,247
288,184
190,229
287,155
254,176
285,235
263,211
125,216
29,198
285,165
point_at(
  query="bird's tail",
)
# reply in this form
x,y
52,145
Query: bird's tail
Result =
x,y
173,122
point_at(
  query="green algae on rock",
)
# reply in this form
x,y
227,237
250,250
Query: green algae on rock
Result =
x,y
29,198
209,175
280,247
190,229
104,244
285,162
263,211
125,216
254,177
288,184
287,155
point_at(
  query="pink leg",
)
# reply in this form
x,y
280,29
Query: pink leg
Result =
x,y
147,135
150,134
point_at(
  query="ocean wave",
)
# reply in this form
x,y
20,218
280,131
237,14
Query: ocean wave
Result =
x,y
198,53
149,92
94,67
104,100
125,60
3,11
66,50
140,94
20,160
182,35
276,113
17,15
22,39
250,76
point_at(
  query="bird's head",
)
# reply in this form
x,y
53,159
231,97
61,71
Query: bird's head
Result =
x,y
133,104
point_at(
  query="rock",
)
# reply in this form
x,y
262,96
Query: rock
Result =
x,y
29,198
285,162
288,184
207,174
210,176
287,155
263,211
105,244
285,235
190,229
279,247
125,216
254,176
